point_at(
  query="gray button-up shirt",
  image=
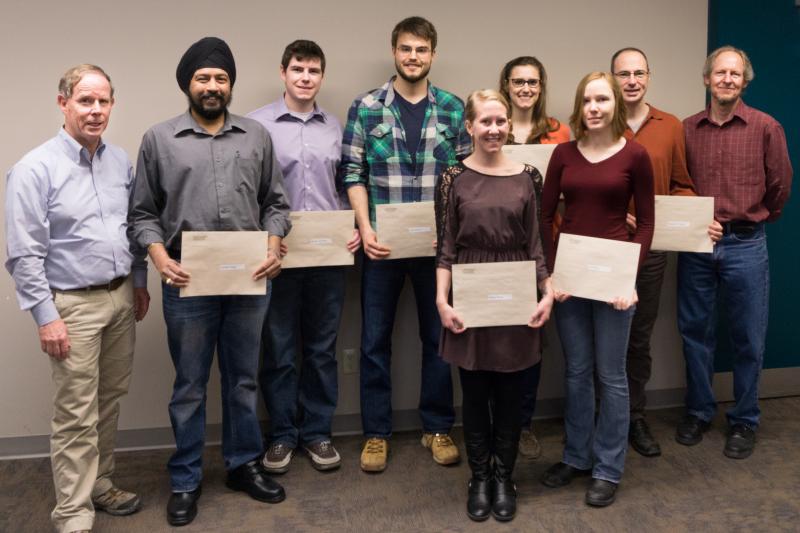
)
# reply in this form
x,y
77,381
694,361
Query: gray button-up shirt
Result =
x,y
190,180
66,222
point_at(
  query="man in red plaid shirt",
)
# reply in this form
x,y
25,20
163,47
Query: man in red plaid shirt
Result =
x,y
738,155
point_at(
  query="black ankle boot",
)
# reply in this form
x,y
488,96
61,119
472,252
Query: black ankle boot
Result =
x,y
504,502
479,493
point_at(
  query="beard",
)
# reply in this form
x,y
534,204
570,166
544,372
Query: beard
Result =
x,y
210,111
423,73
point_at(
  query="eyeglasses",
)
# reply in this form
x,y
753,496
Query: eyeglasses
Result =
x,y
420,50
638,74
521,82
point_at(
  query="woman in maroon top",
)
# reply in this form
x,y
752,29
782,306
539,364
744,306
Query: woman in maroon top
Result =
x,y
598,174
486,210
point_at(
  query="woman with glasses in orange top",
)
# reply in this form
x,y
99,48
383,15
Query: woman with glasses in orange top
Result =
x,y
523,81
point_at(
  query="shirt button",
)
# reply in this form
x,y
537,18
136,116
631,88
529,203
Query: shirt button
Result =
x,y
307,165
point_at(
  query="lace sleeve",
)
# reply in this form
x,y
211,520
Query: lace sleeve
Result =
x,y
445,214
538,184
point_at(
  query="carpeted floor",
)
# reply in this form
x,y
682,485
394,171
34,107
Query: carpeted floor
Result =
x,y
686,489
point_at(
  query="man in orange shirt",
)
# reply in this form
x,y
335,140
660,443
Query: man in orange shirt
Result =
x,y
662,136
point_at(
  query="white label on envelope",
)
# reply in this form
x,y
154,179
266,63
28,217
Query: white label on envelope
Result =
x,y
320,241
678,224
419,229
234,266
500,297
598,268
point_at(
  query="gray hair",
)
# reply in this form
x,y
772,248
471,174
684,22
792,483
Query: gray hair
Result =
x,y
74,75
749,74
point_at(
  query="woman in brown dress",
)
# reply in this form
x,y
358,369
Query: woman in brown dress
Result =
x,y
486,210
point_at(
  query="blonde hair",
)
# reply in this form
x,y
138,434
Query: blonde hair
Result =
x,y
619,121
484,95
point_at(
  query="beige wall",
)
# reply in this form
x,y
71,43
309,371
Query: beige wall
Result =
x,y
139,44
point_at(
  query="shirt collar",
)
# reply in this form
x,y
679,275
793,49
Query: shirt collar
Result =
x,y
187,122
74,149
741,111
281,110
387,93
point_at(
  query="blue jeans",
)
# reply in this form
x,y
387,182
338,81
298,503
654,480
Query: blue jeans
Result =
x,y
594,337
305,312
381,283
195,327
739,270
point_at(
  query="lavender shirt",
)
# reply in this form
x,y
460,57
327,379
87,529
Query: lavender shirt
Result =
x,y
308,152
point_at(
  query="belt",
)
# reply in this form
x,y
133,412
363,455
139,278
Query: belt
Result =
x,y
740,226
112,285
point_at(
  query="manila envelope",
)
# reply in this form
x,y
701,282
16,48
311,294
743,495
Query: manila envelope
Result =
x,y
495,294
223,262
409,229
319,238
682,224
597,269
537,155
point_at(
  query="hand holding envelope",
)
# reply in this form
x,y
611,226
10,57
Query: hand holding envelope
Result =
x,y
223,262
495,294
682,224
407,229
597,269
319,238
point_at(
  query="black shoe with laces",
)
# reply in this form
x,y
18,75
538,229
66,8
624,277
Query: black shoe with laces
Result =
x,y
642,440
741,441
690,430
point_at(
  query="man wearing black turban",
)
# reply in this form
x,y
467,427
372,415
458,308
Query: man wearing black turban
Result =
x,y
210,170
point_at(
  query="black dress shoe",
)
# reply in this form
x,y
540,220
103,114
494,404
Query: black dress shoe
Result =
x,y
250,478
504,501
479,499
601,493
561,474
740,443
690,430
182,507
642,440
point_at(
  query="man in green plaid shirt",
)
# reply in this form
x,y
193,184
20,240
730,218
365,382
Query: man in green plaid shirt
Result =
x,y
398,140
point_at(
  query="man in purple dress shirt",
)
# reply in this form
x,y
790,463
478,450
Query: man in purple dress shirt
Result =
x,y
66,217
306,302
738,155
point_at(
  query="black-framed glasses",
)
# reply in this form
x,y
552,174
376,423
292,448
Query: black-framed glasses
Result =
x,y
638,74
521,82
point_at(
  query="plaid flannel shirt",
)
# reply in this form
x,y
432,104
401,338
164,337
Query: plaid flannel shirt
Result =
x,y
374,151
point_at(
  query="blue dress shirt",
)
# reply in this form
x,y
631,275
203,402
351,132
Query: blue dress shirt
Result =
x,y
66,222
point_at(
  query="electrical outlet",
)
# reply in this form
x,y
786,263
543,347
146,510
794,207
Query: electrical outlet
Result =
x,y
350,361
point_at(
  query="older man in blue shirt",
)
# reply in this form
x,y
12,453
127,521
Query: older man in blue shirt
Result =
x,y
306,302
66,221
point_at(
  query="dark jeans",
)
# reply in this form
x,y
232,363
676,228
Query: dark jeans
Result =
x,y
381,283
305,312
196,326
492,401
530,389
739,270
639,363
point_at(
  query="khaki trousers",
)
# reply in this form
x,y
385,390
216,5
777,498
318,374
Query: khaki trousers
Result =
x,y
89,385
